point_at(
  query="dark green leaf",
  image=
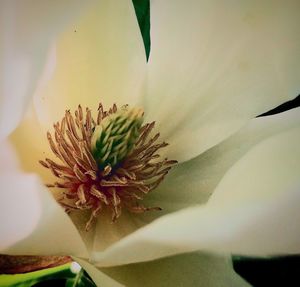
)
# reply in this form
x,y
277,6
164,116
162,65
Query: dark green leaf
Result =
x,y
142,10
292,104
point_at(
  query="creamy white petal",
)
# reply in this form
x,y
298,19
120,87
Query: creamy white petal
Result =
x,y
31,220
254,210
100,57
267,148
26,31
193,182
100,278
214,65
186,270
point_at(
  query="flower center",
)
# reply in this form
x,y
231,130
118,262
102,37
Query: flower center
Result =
x,y
115,136
110,162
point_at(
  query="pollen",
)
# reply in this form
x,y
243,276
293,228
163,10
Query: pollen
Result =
x,y
108,162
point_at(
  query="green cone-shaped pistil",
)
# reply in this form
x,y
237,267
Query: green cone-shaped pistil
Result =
x,y
115,137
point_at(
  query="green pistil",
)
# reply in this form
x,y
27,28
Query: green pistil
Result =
x,y
115,137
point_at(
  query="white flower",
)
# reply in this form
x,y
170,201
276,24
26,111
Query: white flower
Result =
x,y
213,67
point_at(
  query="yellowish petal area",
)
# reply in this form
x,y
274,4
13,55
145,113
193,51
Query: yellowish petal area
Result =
x,y
258,170
31,220
188,270
31,145
99,58
213,66
26,31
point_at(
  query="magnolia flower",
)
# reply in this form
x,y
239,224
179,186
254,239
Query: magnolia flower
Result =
x,y
212,69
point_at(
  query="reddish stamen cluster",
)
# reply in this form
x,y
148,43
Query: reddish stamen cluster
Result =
x,y
85,186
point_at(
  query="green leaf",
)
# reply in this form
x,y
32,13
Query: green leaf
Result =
x,y
142,11
31,278
63,272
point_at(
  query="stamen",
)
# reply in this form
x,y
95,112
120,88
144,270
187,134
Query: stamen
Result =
x,y
108,163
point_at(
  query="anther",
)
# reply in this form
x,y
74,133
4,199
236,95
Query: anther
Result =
x,y
108,163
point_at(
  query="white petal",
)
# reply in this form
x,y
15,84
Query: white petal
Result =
x,y
26,30
99,58
210,226
193,182
214,65
98,276
31,220
254,210
186,270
